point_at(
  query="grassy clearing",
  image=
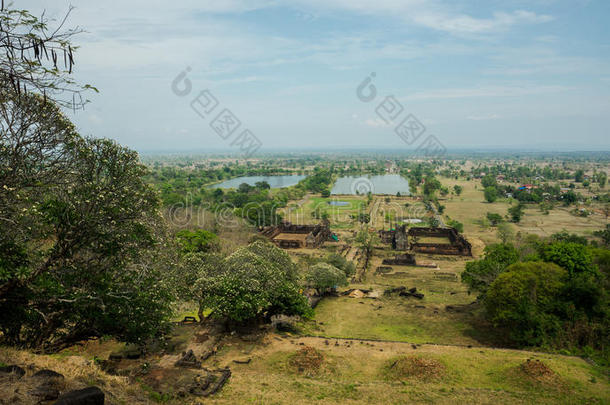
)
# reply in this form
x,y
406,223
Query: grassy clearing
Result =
x,y
357,373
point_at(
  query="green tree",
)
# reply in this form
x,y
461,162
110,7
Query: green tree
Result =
x,y
491,194
574,257
494,219
525,299
80,225
479,274
505,232
340,262
323,276
489,181
457,189
199,240
516,212
254,282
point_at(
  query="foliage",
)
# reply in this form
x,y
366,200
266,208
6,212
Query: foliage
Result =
x,y
489,181
491,194
505,233
431,185
340,262
494,219
480,274
525,300
79,229
199,240
516,212
457,189
604,234
574,257
38,58
323,276
457,225
256,281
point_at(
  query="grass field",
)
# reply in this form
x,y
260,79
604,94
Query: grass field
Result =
x,y
355,372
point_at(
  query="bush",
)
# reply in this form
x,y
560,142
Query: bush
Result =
x,y
480,274
323,276
340,262
494,219
491,194
525,299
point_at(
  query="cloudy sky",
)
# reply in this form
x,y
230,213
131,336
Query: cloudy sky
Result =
x,y
529,74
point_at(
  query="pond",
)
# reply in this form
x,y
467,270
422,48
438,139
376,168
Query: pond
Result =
x,y
338,203
274,181
385,184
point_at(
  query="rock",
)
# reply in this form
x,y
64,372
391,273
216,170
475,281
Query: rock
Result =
x,y
188,360
115,356
45,392
50,374
86,396
13,369
414,346
211,384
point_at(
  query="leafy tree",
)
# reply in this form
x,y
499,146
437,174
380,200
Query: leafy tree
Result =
x,y
38,58
262,185
505,232
525,299
602,178
491,194
79,225
199,240
579,176
433,222
254,282
457,189
325,193
479,274
431,185
340,262
574,257
604,234
494,219
457,225
516,212
323,276
489,181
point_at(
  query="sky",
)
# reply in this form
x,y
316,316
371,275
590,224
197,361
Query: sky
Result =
x,y
530,75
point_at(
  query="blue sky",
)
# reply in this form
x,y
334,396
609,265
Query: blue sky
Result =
x,y
478,74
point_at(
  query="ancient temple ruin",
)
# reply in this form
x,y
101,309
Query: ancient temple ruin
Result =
x,y
290,236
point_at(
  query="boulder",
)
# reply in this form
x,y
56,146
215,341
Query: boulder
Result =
x,y
13,369
45,392
48,374
188,360
86,396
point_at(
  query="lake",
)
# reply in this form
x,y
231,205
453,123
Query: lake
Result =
x,y
274,181
384,184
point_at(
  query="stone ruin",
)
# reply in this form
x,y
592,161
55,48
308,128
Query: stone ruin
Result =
x,y
458,245
400,260
399,239
290,236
